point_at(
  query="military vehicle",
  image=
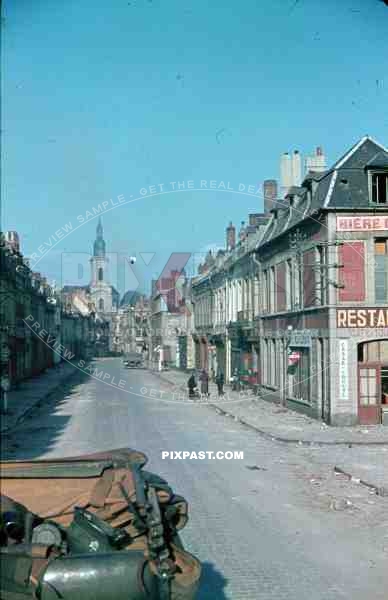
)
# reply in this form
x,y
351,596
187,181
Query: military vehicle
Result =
x,y
133,360
94,527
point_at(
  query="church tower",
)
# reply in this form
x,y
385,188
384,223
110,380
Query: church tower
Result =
x,y
100,288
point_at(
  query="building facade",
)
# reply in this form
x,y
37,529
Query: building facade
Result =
x,y
26,299
324,276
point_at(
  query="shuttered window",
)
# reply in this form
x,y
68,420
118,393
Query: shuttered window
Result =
x,y
352,274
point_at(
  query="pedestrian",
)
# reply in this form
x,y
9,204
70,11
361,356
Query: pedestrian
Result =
x,y
220,384
204,379
212,375
235,381
192,384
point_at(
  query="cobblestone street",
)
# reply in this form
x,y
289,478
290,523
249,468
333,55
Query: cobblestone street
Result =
x,y
278,524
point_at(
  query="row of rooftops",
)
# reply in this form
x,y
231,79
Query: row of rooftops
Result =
x,y
344,186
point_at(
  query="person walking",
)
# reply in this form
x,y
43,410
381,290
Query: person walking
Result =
x,y
204,379
235,381
220,383
192,384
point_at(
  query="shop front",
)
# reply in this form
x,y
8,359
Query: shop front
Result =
x,y
373,382
182,352
217,354
203,352
363,363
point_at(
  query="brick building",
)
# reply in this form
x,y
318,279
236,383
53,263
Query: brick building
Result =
x,y
323,325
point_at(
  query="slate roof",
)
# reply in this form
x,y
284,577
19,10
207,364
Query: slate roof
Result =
x,y
344,186
380,161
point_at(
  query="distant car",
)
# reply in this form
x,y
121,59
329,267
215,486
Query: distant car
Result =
x,y
133,360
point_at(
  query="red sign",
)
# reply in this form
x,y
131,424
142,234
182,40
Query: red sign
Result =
x,y
293,358
363,223
352,275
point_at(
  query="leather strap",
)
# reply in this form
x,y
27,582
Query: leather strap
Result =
x,y
41,557
102,489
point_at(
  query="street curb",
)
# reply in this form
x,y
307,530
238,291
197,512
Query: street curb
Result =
x,y
283,440
380,491
28,410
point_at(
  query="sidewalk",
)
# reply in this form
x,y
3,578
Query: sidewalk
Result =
x,y
367,462
22,400
281,424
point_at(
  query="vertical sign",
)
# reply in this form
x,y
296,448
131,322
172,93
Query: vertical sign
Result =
x,y
343,370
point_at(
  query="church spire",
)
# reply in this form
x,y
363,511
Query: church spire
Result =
x,y
99,244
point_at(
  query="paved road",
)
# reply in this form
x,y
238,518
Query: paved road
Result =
x,y
265,533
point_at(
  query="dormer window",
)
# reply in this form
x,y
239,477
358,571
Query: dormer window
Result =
x,y
379,188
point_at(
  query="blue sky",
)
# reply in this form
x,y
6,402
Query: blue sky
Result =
x,y
102,99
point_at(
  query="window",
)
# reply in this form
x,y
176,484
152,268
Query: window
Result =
x,y
289,285
376,351
321,276
379,188
296,279
272,299
101,304
100,274
381,269
267,361
368,387
266,292
273,363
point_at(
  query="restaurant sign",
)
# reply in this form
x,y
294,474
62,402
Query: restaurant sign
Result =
x,y
363,223
353,318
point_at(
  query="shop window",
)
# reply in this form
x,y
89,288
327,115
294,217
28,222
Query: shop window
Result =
x,y
265,362
300,379
384,386
373,352
273,363
381,269
379,188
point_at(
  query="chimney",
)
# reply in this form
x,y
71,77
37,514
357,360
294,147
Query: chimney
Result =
x,y
285,173
270,193
316,163
296,169
230,236
12,240
242,234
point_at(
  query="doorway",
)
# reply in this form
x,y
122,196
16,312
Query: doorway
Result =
x,y
369,395
372,381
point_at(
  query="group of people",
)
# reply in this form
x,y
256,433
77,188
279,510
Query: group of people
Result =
x,y
204,379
